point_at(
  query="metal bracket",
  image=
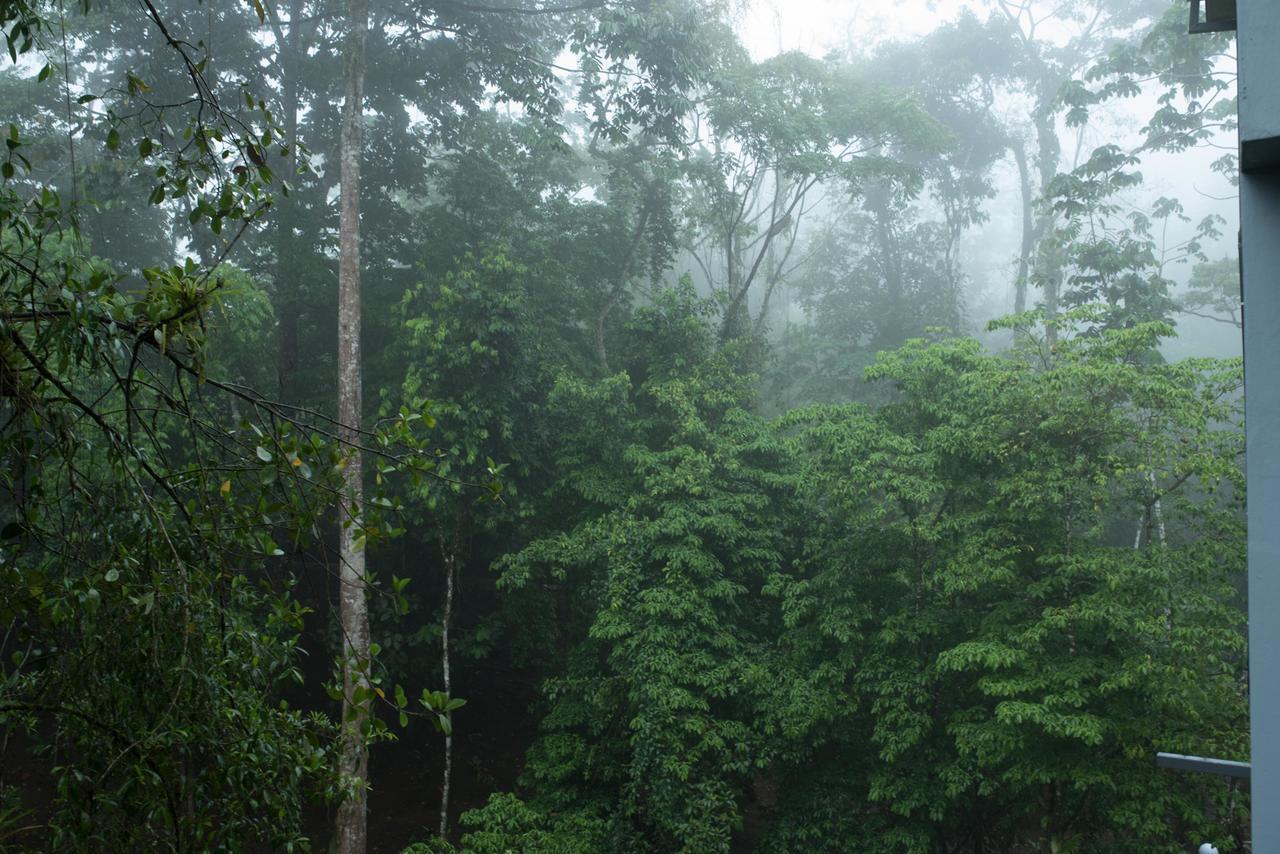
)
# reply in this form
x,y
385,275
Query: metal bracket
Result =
x,y
1219,16
1221,767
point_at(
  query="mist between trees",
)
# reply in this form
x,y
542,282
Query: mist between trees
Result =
x,y
554,427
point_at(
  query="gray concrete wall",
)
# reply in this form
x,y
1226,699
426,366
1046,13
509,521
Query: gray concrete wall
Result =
x,y
1259,54
1260,232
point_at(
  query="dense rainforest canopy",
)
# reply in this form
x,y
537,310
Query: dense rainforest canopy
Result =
x,y
506,425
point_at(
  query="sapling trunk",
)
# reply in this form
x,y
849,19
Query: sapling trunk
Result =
x,y
447,776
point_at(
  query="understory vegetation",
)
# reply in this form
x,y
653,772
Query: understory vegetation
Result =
x,y
570,427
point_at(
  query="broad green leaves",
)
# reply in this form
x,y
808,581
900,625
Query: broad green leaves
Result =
x,y
901,618
974,571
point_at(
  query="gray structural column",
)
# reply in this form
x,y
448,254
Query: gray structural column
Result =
x,y
1258,28
1259,56
1260,226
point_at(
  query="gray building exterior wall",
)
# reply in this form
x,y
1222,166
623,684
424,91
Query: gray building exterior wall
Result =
x,y
1260,226
1259,57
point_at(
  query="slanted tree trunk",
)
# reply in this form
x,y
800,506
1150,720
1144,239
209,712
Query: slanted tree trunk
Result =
x,y
353,763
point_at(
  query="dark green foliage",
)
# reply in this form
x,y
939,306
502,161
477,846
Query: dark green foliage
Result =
x,y
151,627
146,644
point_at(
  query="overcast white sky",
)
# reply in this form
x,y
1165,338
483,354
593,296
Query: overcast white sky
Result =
x,y
816,26
768,27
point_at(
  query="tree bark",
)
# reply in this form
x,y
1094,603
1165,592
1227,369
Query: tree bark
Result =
x,y
1028,230
1048,258
450,561
892,329
620,284
737,316
286,280
353,763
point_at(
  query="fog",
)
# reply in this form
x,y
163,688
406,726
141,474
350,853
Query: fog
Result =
x,y
820,27
639,425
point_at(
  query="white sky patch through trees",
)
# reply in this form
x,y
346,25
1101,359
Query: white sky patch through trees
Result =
x,y
819,27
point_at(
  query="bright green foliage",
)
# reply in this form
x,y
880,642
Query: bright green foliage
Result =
x,y
1004,662
650,725
508,824
969,646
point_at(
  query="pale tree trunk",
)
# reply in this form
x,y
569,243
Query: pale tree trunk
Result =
x,y
290,52
1151,516
450,561
1052,283
353,762
1049,259
620,284
892,330
1028,230
1156,510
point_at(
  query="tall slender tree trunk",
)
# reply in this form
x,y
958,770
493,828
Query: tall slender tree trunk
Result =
x,y
733,283
351,829
1048,259
450,564
892,330
1028,230
1157,512
290,53
620,284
